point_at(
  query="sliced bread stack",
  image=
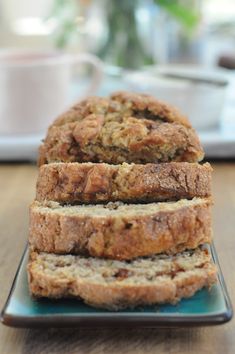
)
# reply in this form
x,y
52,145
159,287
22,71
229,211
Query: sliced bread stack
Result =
x,y
123,208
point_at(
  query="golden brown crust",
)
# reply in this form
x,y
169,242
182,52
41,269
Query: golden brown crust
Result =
x,y
143,103
92,182
120,235
61,276
123,128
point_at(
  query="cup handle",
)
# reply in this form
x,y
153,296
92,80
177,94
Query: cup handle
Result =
x,y
97,73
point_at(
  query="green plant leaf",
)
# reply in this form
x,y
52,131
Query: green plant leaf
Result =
x,y
187,17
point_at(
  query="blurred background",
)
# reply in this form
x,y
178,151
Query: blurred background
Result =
x,y
181,51
126,33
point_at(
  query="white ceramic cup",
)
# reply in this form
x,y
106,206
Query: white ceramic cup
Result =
x,y
34,88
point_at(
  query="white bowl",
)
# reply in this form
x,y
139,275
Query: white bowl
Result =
x,y
198,93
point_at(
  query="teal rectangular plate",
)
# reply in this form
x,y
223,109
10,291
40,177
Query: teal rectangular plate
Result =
x,y
204,308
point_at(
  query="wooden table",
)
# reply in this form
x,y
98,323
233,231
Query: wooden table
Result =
x,y
17,188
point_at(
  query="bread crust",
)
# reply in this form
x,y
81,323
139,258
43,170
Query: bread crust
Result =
x,y
93,182
121,236
117,294
122,128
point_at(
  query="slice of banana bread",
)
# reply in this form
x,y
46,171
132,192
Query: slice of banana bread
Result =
x,y
114,284
120,231
125,127
100,182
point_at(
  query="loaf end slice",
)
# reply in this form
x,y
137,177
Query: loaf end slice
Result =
x,y
125,127
116,285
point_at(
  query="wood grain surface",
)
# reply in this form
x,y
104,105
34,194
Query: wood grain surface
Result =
x,y
17,189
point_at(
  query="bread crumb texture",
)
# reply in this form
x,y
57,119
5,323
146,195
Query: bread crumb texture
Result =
x,y
118,230
115,284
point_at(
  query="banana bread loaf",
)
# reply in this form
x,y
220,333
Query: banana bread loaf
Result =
x,y
116,285
122,128
100,182
120,231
